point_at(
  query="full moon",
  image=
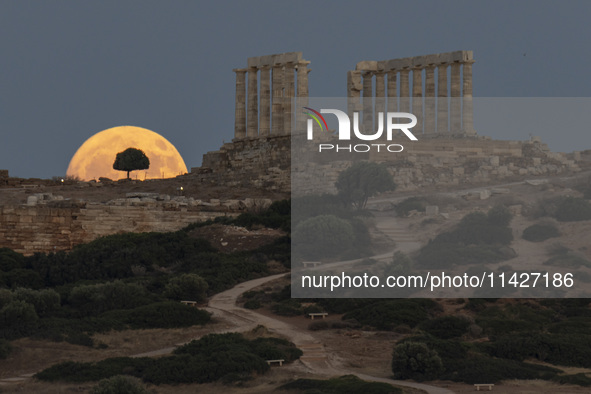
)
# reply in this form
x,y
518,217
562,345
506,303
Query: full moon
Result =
x,y
94,159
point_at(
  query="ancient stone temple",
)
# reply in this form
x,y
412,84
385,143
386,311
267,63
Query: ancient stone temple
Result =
x,y
266,109
436,88
442,104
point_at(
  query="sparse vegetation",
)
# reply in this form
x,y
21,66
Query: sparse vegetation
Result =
x,y
540,232
208,359
363,180
348,384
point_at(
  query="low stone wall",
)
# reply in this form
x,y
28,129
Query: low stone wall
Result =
x,y
56,224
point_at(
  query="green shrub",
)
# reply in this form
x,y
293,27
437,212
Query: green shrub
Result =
x,y
119,385
96,299
348,384
446,327
410,204
190,287
252,304
287,308
166,314
322,236
17,319
540,232
44,301
386,314
414,360
499,215
5,348
572,209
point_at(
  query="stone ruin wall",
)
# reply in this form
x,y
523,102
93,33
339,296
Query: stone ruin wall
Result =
x,y
450,152
48,223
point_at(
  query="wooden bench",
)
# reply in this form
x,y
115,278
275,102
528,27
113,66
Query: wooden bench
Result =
x,y
190,303
489,385
280,362
317,314
311,263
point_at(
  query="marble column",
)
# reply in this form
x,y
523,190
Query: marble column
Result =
x,y
265,106
252,130
417,98
288,95
456,103
277,100
392,92
442,104
302,94
367,101
404,90
467,105
380,98
354,88
430,99
240,109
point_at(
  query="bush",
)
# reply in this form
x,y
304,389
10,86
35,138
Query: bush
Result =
x,y
5,349
119,385
322,236
410,204
252,304
45,301
363,180
166,314
96,299
540,232
572,209
499,215
446,327
348,384
414,360
186,287
17,319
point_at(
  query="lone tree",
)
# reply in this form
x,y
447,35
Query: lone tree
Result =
x,y
131,159
363,180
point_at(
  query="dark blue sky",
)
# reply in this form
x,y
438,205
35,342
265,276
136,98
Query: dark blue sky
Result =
x,y
70,69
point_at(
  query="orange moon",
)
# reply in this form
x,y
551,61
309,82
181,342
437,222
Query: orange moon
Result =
x,y
95,158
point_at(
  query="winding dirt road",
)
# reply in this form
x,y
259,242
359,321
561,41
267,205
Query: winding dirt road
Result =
x,y
316,356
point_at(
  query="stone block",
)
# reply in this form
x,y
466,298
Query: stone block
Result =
x,y
494,161
537,161
32,201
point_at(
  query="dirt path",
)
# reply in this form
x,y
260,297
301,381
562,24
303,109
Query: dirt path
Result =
x,y
316,356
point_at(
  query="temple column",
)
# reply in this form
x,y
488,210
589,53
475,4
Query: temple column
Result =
x,y
392,93
456,104
302,94
430,99
240,109
367,102
467,105
288,94
277,100
380,98
265,106
442,105
417,98
253,115
354,88
404,90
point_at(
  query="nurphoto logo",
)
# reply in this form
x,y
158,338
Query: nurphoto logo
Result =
x,y
393,120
